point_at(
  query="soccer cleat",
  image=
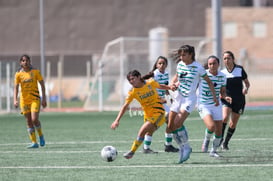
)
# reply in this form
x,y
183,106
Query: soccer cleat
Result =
x,y
171,148
149,151
181,150
186,153
33,145
128,155
214,154
42,140
224,147
205,146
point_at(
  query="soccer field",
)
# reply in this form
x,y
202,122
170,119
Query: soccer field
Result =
x,y
74,141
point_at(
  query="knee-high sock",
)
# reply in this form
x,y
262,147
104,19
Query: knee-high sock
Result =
x,y
223,129
208,135
147,141
168,138
223,132
136,144
32,135
230,132
216,142
39,130
181,136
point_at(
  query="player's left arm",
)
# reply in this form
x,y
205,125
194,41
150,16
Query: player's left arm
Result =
x,y
42,84
246,86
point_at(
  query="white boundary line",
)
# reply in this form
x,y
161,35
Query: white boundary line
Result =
x,y
139,166
127,141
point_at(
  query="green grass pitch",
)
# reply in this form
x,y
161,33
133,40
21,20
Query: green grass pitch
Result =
x,y
74,142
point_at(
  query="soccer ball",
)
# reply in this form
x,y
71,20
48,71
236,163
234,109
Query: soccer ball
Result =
x,y
109,153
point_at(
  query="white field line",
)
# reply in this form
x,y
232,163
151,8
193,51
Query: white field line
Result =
x,y
139,166
126,141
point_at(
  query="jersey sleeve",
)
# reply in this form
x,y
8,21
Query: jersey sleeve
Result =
x,y
202,71
38,75
224,80
154,83
130,96
244,74
16,79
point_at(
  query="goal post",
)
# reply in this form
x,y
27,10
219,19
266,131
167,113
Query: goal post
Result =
x,y
109,85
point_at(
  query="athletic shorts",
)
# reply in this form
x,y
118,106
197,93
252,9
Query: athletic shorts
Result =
x,y
214,111
157,119
34,106
237,105
183,103
166,107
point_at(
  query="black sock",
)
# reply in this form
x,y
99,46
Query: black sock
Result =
x,y
223,129
229,135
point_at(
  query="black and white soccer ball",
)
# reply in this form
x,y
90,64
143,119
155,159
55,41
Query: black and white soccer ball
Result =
x,y
109,153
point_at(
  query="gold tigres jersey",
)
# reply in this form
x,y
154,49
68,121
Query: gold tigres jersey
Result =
x,y
148,98
29,84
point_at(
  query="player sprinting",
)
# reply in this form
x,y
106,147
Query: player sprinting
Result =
x,y
154,114
208,111
188,74
161,75
27,78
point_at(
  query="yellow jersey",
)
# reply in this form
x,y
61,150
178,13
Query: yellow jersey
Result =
x,y
148,98
29,85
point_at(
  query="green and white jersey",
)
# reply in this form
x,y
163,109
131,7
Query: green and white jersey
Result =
x,y
161,78
189,77
204,94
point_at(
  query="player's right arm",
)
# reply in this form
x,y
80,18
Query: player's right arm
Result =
x,y
15,95
115,124
174,82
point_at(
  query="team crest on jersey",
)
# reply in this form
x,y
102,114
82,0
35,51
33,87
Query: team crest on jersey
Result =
x,y
215,84
183,74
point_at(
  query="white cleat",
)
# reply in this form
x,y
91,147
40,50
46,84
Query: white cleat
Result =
x,y
214,154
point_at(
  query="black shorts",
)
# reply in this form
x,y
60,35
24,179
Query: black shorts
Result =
x,y
237,105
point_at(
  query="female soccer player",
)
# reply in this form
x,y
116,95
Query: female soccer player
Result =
x,y
237,87
161,75
27,77
188,74
154,114
211,114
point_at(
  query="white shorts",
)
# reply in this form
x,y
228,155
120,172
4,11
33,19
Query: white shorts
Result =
x,y
214,111
166,107
183,103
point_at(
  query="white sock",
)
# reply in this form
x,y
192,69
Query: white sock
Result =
x,y
168,138
147,141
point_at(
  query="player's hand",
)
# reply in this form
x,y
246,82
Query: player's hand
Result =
x,y
44,103
16,104
228,99
216,102
114,125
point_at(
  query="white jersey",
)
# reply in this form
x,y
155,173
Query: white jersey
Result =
x,y
189,77
161,78
205,96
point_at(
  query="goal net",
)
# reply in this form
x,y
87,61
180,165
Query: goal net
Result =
x,y
109,86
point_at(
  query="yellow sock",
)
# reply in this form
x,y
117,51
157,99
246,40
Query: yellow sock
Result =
x,y
136,144
39,130
32,135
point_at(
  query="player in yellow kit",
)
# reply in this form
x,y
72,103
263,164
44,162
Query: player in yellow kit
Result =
x,y
154,114
27,77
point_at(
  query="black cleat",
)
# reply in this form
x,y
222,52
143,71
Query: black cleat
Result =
x,y
171,148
